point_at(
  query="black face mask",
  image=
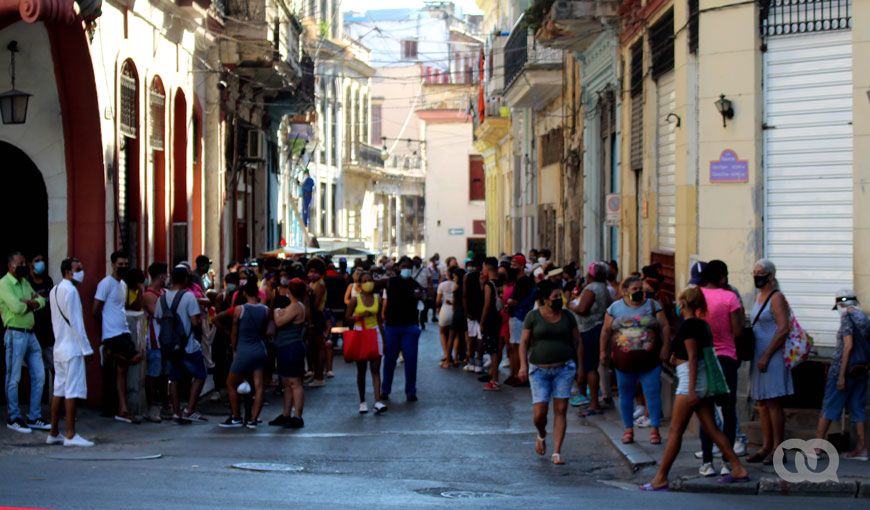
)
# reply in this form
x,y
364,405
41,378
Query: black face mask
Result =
x,y
636,297
21,271
761,280
556,304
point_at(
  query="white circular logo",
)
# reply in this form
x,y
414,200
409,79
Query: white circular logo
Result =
x,y
806,461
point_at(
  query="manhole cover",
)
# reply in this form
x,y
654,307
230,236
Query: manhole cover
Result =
x,y
451,493
268,467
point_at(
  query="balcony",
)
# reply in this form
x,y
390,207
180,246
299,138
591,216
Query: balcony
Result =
x,y
495,65
575,24
493,125
365,158
532,72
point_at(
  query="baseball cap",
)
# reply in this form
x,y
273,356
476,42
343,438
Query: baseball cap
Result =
x,y
844,296
519,259
697,269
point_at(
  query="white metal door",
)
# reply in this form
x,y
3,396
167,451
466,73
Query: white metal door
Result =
x,y
666,164
808,172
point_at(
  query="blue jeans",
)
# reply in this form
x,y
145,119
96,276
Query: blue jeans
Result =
x,y
306,209
21,346
651,383
404,339
555,382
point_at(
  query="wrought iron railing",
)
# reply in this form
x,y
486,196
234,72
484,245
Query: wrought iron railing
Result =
x,y
369,155
516,53
782,17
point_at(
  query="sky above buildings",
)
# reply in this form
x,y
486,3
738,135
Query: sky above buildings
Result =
x,y
467,6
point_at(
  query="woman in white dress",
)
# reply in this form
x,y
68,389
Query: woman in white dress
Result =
x,y
444,301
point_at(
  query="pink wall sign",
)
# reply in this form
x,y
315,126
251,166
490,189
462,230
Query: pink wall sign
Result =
x,y
729,168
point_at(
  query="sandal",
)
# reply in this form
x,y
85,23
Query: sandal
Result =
x,y
649,487
585,413
757,457
628,437
540,446
655,437
557,459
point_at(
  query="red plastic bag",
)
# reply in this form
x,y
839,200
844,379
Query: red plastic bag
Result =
x,y
361,345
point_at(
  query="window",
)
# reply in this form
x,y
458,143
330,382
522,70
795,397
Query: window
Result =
x,y
409,49
661,40
157,113
552,145
693,26
129,101
637,106
476,185
377,132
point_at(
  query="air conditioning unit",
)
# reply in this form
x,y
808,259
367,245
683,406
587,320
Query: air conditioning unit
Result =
x,y
256,147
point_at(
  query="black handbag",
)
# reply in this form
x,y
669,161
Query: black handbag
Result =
x,y
746,340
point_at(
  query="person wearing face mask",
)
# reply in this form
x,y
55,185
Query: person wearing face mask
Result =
x,y
154,375
846,385
551,359
109,312
693,336
317,336
18,302
638,334
364,312
42,284
69,353
490,322
401,331
771,379
290,315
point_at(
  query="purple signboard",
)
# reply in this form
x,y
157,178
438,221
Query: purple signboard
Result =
x,y
729,168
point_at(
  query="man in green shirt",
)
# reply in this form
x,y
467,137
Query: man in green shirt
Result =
x,y
17,304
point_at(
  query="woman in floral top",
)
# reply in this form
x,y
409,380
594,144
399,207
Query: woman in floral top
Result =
x,y
639,332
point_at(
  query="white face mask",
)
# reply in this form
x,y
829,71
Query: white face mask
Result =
x,y
78,276
842,310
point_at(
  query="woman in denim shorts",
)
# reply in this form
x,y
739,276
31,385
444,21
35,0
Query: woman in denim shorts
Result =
x,y
550,353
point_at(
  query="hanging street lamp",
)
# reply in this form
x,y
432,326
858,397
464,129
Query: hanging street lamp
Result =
x,y
13,103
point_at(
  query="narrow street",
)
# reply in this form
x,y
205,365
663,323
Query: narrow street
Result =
x,y
456,442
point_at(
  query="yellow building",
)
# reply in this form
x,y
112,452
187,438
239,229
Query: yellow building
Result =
x,y
744,142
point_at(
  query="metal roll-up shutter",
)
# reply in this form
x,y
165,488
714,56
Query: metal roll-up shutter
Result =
x,y
666,164
808,172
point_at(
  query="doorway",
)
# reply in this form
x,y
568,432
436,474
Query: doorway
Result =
x,y
28,205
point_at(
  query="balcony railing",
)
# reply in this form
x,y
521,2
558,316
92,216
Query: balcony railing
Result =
x,y
522,50
404,162
369,155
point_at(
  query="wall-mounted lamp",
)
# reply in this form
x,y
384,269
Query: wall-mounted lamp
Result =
x,y
13,103
868,94
726,108
675,116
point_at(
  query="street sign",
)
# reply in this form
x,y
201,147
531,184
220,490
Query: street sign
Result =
x,y
456,231
729,168
614,204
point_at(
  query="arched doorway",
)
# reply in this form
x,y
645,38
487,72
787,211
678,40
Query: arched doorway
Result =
x,y
180,233
157,105
26,207
128,180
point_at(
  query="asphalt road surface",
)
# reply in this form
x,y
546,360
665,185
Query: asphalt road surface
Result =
x,y
457,446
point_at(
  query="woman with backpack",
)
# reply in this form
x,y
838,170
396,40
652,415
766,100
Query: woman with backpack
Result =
x,y
771,379
364,311
848,374
249,329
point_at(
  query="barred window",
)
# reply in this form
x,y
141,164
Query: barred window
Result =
x,y
637,68
783,17
157,113
552,145
128,109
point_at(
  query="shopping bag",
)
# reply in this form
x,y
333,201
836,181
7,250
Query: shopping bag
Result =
x,y
361,345
716,383
798,344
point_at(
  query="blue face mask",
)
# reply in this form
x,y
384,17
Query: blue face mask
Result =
x,y
39,267
405,273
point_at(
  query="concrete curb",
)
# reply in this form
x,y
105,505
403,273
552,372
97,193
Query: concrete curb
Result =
x,y
842,488
711,485
633,454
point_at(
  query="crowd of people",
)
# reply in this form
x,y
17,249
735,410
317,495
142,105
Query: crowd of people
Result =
x,y
575,336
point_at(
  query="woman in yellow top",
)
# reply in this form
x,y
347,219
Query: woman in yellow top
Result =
x,y
364,311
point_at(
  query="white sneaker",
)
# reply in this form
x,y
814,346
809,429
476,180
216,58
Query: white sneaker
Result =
x,y
58,439
487,361
706,469
316,383
716,453
739,448
638,412
642,422
478,370
363,408
330,374
77,440
380,407
18,426
468,368
194,416
725,469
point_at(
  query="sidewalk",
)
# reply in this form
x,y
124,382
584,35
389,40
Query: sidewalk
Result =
x,y
643,458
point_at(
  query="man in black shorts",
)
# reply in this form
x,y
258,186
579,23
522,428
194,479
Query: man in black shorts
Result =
x,y
490,322
109,311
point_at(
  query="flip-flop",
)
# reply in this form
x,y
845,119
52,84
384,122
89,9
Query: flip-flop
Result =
x,y
648,487
556,459
543,443
583,413
733,479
